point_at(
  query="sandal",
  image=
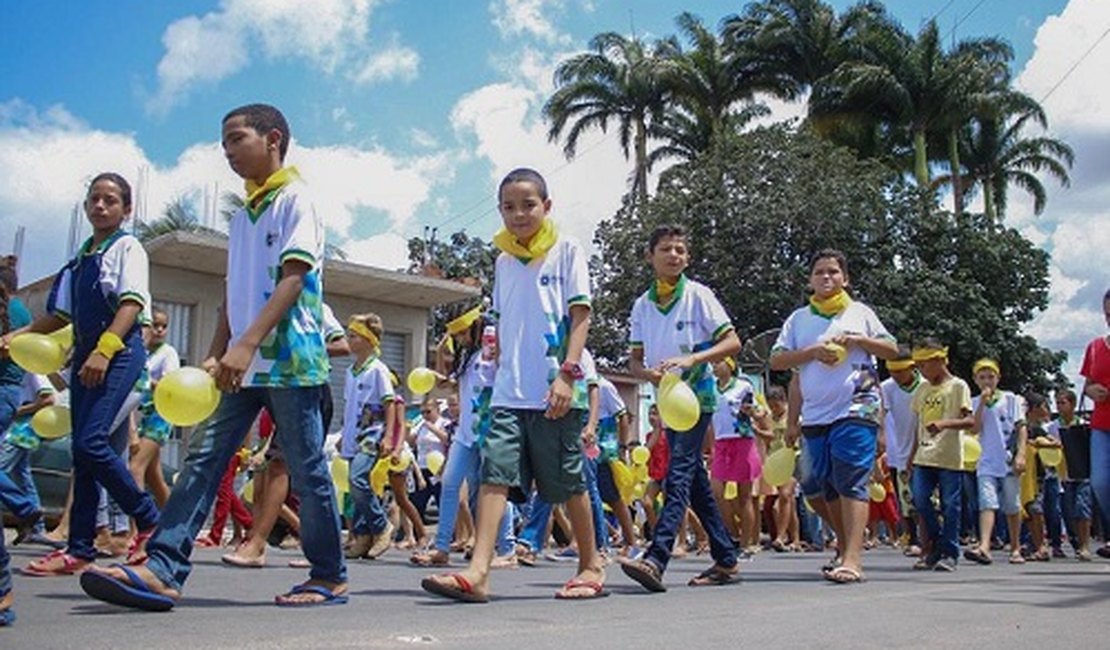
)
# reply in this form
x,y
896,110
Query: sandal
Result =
x,y
595,590
136,552
978,556
430,558
462,590
525,556
646,573
843,575
70,565
714,576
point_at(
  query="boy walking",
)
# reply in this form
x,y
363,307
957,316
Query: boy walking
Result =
x,y
268,351
678,325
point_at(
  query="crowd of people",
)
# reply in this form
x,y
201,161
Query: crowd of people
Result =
x,y
531,443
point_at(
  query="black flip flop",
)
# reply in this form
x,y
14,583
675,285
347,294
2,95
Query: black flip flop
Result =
x,y
645,573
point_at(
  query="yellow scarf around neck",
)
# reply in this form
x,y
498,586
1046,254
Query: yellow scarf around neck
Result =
x,y
541,242
831,306
256,193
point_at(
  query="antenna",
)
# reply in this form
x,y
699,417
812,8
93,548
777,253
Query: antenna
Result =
x,y
17,248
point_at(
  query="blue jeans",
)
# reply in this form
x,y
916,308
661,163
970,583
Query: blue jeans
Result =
x,y
369,516
1053,519
687,485
601,527
300,433
946,540
1100,470
108,513
17,488
95,462
969,508
462,465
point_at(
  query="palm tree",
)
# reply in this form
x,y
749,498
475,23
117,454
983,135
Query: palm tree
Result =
x,y
685,136
794,44
619,79
177,216
998,155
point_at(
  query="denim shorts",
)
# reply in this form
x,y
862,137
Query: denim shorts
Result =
x,y
1000,493
837,459
606,485
1078,499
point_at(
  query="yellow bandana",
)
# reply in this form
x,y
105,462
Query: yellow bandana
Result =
x,y
986,364
257,194
731,363
925,354
664,291
831,306
462,323
541,242
894,365
360,328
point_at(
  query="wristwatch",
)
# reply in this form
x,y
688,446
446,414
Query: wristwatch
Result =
x,y
572,370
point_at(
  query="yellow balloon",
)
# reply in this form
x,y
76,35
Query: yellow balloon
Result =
x,y
731,491
839,350
678,405
622,477
421,380
972,449
52,422
638,491
401,463
340,476
877,492
63,336
248,492
641,455
1050,456
435,461
37,353
640,473
778,469
379,476
186,396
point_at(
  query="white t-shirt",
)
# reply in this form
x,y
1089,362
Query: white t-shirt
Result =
x,y
164,359
475,391
846,390
124,275
729,420
532,305
997,435
293,353
333,329
366,392
427,442
900,424
694,321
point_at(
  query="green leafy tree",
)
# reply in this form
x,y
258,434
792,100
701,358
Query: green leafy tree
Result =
x,y
464,258
758,206
177,216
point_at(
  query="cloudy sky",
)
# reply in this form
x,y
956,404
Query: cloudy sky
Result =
x,y
408,112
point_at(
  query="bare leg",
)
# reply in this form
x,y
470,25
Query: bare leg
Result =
x,y
397,483
589,561
853,519
270,489
491,507
728,508
749,522
61,531
986,528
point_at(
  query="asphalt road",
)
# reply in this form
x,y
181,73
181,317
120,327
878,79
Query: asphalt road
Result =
x,y
782,603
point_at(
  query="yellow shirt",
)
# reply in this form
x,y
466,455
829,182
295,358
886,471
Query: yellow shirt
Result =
x,y
946,401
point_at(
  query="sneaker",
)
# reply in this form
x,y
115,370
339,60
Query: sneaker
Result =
x,y
925,564
742,555
25,527
1103,551
945,564
1058,552
360,544
381,542
1083,555
41,539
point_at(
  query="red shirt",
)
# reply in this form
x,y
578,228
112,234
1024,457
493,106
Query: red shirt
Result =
x,y
1096,369
660,459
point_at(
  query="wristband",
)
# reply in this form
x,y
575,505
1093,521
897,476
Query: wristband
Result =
x,y
108,345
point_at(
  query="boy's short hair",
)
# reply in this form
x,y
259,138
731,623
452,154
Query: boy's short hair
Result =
x,y
1106,296
264,118
119,181
929,343
830,253
155,310
666,230
1035,400
1067,394
372,321
776,393
524,175
905,353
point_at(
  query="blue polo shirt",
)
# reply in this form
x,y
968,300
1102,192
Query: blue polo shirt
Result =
x,y
10,372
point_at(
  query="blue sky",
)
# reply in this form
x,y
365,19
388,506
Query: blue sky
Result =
x,y
407,112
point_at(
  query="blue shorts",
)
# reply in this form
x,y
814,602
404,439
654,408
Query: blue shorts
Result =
x,y
606,485
999,493
837,459
1078,500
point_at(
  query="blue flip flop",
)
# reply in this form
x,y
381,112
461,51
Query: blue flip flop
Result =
x,y
7,617
136,594
330,597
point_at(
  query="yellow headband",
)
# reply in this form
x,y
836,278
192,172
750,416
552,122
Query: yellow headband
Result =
x,y
925,354
894,365
462,323
731,363
360,328
986,364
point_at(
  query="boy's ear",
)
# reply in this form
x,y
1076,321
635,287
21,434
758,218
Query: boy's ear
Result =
x,y
273,139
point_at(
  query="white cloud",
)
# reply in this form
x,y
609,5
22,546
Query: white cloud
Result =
x,y
47,157
388,251
514,18
327,34
397,62
1075,228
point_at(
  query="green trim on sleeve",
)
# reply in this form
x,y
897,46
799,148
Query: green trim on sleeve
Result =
x,y
638,345
132,296
579,300
719,333
298,255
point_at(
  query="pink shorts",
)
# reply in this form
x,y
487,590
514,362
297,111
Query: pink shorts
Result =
x,y
736,459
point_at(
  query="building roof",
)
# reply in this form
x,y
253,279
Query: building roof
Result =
x,y
205,253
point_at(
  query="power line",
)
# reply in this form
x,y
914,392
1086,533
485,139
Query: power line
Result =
x,y
1075,65
942,10
965,17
